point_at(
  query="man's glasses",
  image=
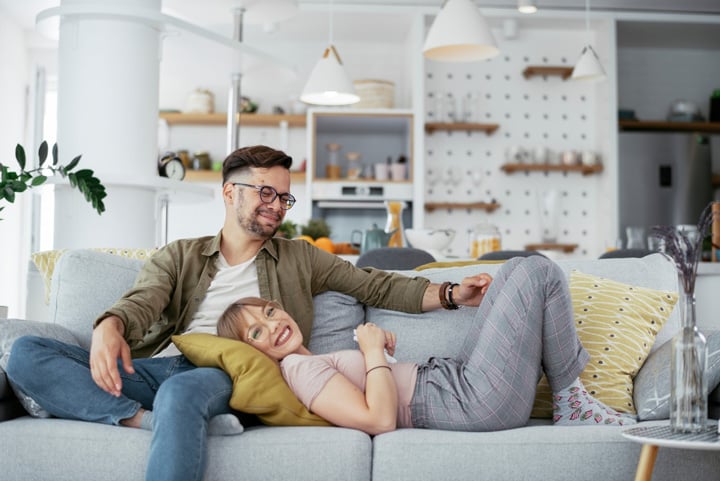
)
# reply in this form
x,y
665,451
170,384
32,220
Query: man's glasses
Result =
x,y
269,194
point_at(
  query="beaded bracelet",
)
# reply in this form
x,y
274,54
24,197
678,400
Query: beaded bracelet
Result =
x,y
377,367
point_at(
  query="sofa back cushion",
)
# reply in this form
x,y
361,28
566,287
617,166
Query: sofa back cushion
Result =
x,y
85,283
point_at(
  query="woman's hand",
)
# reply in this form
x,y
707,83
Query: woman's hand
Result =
x,y
370,338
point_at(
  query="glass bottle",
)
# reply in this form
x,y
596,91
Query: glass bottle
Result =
x,y
688,391
395,223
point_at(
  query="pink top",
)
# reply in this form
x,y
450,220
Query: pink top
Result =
x,y
307,376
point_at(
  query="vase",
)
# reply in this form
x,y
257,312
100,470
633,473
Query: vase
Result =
x,y
688,393
394,224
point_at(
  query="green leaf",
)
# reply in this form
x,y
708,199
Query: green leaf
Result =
x,y
9,194
20,156
73,163
42,152
55,154
39,180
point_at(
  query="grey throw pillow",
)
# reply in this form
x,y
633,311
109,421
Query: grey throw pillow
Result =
x,y
336,315
652,384
10,330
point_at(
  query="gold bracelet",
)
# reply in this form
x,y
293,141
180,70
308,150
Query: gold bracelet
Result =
x,y
377,367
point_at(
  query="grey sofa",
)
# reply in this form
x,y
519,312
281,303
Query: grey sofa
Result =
x,y
85,282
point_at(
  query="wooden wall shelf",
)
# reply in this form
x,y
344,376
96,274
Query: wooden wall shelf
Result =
x,y
567,248
431,127
541,70
583,169
251,120
487,206
663,126
216,177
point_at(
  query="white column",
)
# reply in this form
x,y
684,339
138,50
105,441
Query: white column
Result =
x,y
108,74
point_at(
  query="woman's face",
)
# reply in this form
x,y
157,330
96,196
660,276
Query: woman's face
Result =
x,y
270,330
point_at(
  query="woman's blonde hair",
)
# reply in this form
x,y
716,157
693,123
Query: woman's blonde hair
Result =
x,y
229,322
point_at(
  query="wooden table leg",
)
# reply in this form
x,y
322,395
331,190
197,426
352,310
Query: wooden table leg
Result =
x,y
646,463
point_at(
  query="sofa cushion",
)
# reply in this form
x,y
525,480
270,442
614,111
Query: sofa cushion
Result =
x,y
336,315
617,324
258,385
10,330
85,284
652,384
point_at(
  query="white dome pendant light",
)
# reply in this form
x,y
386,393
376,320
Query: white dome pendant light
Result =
x,y
460,34
588,67
328,83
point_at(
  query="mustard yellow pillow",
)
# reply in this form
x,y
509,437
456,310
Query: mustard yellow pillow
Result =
x,y
617,324
258,385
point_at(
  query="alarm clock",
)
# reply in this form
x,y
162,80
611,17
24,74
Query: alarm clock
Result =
x,y
170,166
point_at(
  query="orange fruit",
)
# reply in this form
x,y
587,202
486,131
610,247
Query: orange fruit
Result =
x,y
306,238
325,244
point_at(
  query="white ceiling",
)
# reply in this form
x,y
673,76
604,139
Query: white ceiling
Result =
x,y
354,20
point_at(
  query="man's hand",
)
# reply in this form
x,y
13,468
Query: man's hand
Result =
x,y
472,290
108,345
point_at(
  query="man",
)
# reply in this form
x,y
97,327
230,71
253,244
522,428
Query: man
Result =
x,y
184,288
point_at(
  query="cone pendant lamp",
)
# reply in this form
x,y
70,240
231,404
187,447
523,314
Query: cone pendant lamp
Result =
x,y
328,83
588,67
460,34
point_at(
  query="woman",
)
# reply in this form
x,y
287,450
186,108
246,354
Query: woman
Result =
x,y
523,325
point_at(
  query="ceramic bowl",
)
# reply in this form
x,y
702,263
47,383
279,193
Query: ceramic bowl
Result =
x,y
431,240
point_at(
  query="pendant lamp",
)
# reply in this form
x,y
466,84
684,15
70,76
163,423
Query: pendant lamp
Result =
x,y
588,67
460,34
328,83
527,6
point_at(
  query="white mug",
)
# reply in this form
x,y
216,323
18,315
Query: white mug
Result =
x,y
541,155
397,171
381,171
589,158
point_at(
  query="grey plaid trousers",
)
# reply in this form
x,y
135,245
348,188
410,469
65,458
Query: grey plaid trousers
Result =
x,y
523,326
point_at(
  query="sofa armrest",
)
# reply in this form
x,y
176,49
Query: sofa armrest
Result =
x,y
10,407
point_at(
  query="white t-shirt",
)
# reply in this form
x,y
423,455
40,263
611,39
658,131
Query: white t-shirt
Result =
x,y
230,284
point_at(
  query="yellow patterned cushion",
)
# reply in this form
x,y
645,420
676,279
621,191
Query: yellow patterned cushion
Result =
x,y
45,261
617,324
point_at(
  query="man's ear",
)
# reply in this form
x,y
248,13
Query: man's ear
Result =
x,y
228,192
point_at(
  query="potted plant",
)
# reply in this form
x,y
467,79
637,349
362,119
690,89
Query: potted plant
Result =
x,y
14,182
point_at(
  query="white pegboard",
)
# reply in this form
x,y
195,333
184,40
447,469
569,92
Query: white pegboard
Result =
x,y
541,111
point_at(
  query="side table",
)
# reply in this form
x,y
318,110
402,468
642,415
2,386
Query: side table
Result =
x,y
654,436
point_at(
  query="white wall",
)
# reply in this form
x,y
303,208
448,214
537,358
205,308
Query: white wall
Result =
x,y
13,85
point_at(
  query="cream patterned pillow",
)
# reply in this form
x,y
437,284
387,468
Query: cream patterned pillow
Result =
x,y
45,261
617,324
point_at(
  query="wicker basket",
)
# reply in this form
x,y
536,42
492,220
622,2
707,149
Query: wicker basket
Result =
x,y
374,93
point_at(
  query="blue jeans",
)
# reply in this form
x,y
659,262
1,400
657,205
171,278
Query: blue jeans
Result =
x,y
182,397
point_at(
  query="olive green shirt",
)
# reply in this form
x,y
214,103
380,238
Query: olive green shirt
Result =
x,y
174,281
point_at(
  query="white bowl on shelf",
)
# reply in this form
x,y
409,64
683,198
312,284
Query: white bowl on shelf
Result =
x,y
433,241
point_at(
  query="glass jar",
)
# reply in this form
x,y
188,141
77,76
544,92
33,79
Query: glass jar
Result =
x,y
332,169
484,238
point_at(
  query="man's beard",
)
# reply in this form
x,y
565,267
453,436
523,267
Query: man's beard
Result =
x,y
252,225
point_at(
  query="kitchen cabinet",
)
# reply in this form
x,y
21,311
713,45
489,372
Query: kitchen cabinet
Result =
x,y
344,142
